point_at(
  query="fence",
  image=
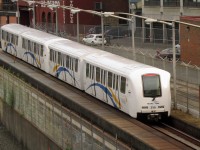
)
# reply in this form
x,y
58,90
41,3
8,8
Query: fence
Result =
x,y
66,129
114,33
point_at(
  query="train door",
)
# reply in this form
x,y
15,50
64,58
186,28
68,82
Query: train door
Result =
x,y
109,86
99,88
51,62
122,93
112,95
63,64
67,73
26,54
75,79
116,90
90,79
8,48
71,72
104,83
40,63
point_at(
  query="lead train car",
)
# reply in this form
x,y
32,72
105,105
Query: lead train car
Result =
x,y
134,88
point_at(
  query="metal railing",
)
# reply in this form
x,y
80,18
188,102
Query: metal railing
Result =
x,y
115,34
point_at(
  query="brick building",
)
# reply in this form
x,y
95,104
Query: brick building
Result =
x,y
46,15
7,12
189,40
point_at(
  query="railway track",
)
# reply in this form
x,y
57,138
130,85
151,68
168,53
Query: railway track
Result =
x,y
177,135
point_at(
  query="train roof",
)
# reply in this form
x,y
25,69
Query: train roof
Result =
x,y
40,36
116,63
73,48
15,28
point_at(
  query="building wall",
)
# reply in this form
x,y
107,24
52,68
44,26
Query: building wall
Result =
x,y
169,12
4,20
116,5
66,17
189,41
7,19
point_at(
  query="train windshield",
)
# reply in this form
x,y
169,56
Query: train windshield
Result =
x,y
151,85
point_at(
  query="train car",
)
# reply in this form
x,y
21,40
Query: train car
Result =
x,y
10,38
66,61
134,88
28,44
35,48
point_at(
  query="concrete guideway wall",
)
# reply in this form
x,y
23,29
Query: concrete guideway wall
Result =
x,y
41,123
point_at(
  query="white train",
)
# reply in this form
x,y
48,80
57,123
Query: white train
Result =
x,y
134,88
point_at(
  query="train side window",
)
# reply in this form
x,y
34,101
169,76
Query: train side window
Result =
x,y
93,73
114,81
70,63
97,74
5,35
110,79
105,77
41,50
87,70
54,56
123,85
26,44
12,38
23,43
90,76
2,34
102,76
67,61
37,49
59,58
72,60
34,46
76,65
64,60
29,45
16,40
51,55
8,37
117,82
